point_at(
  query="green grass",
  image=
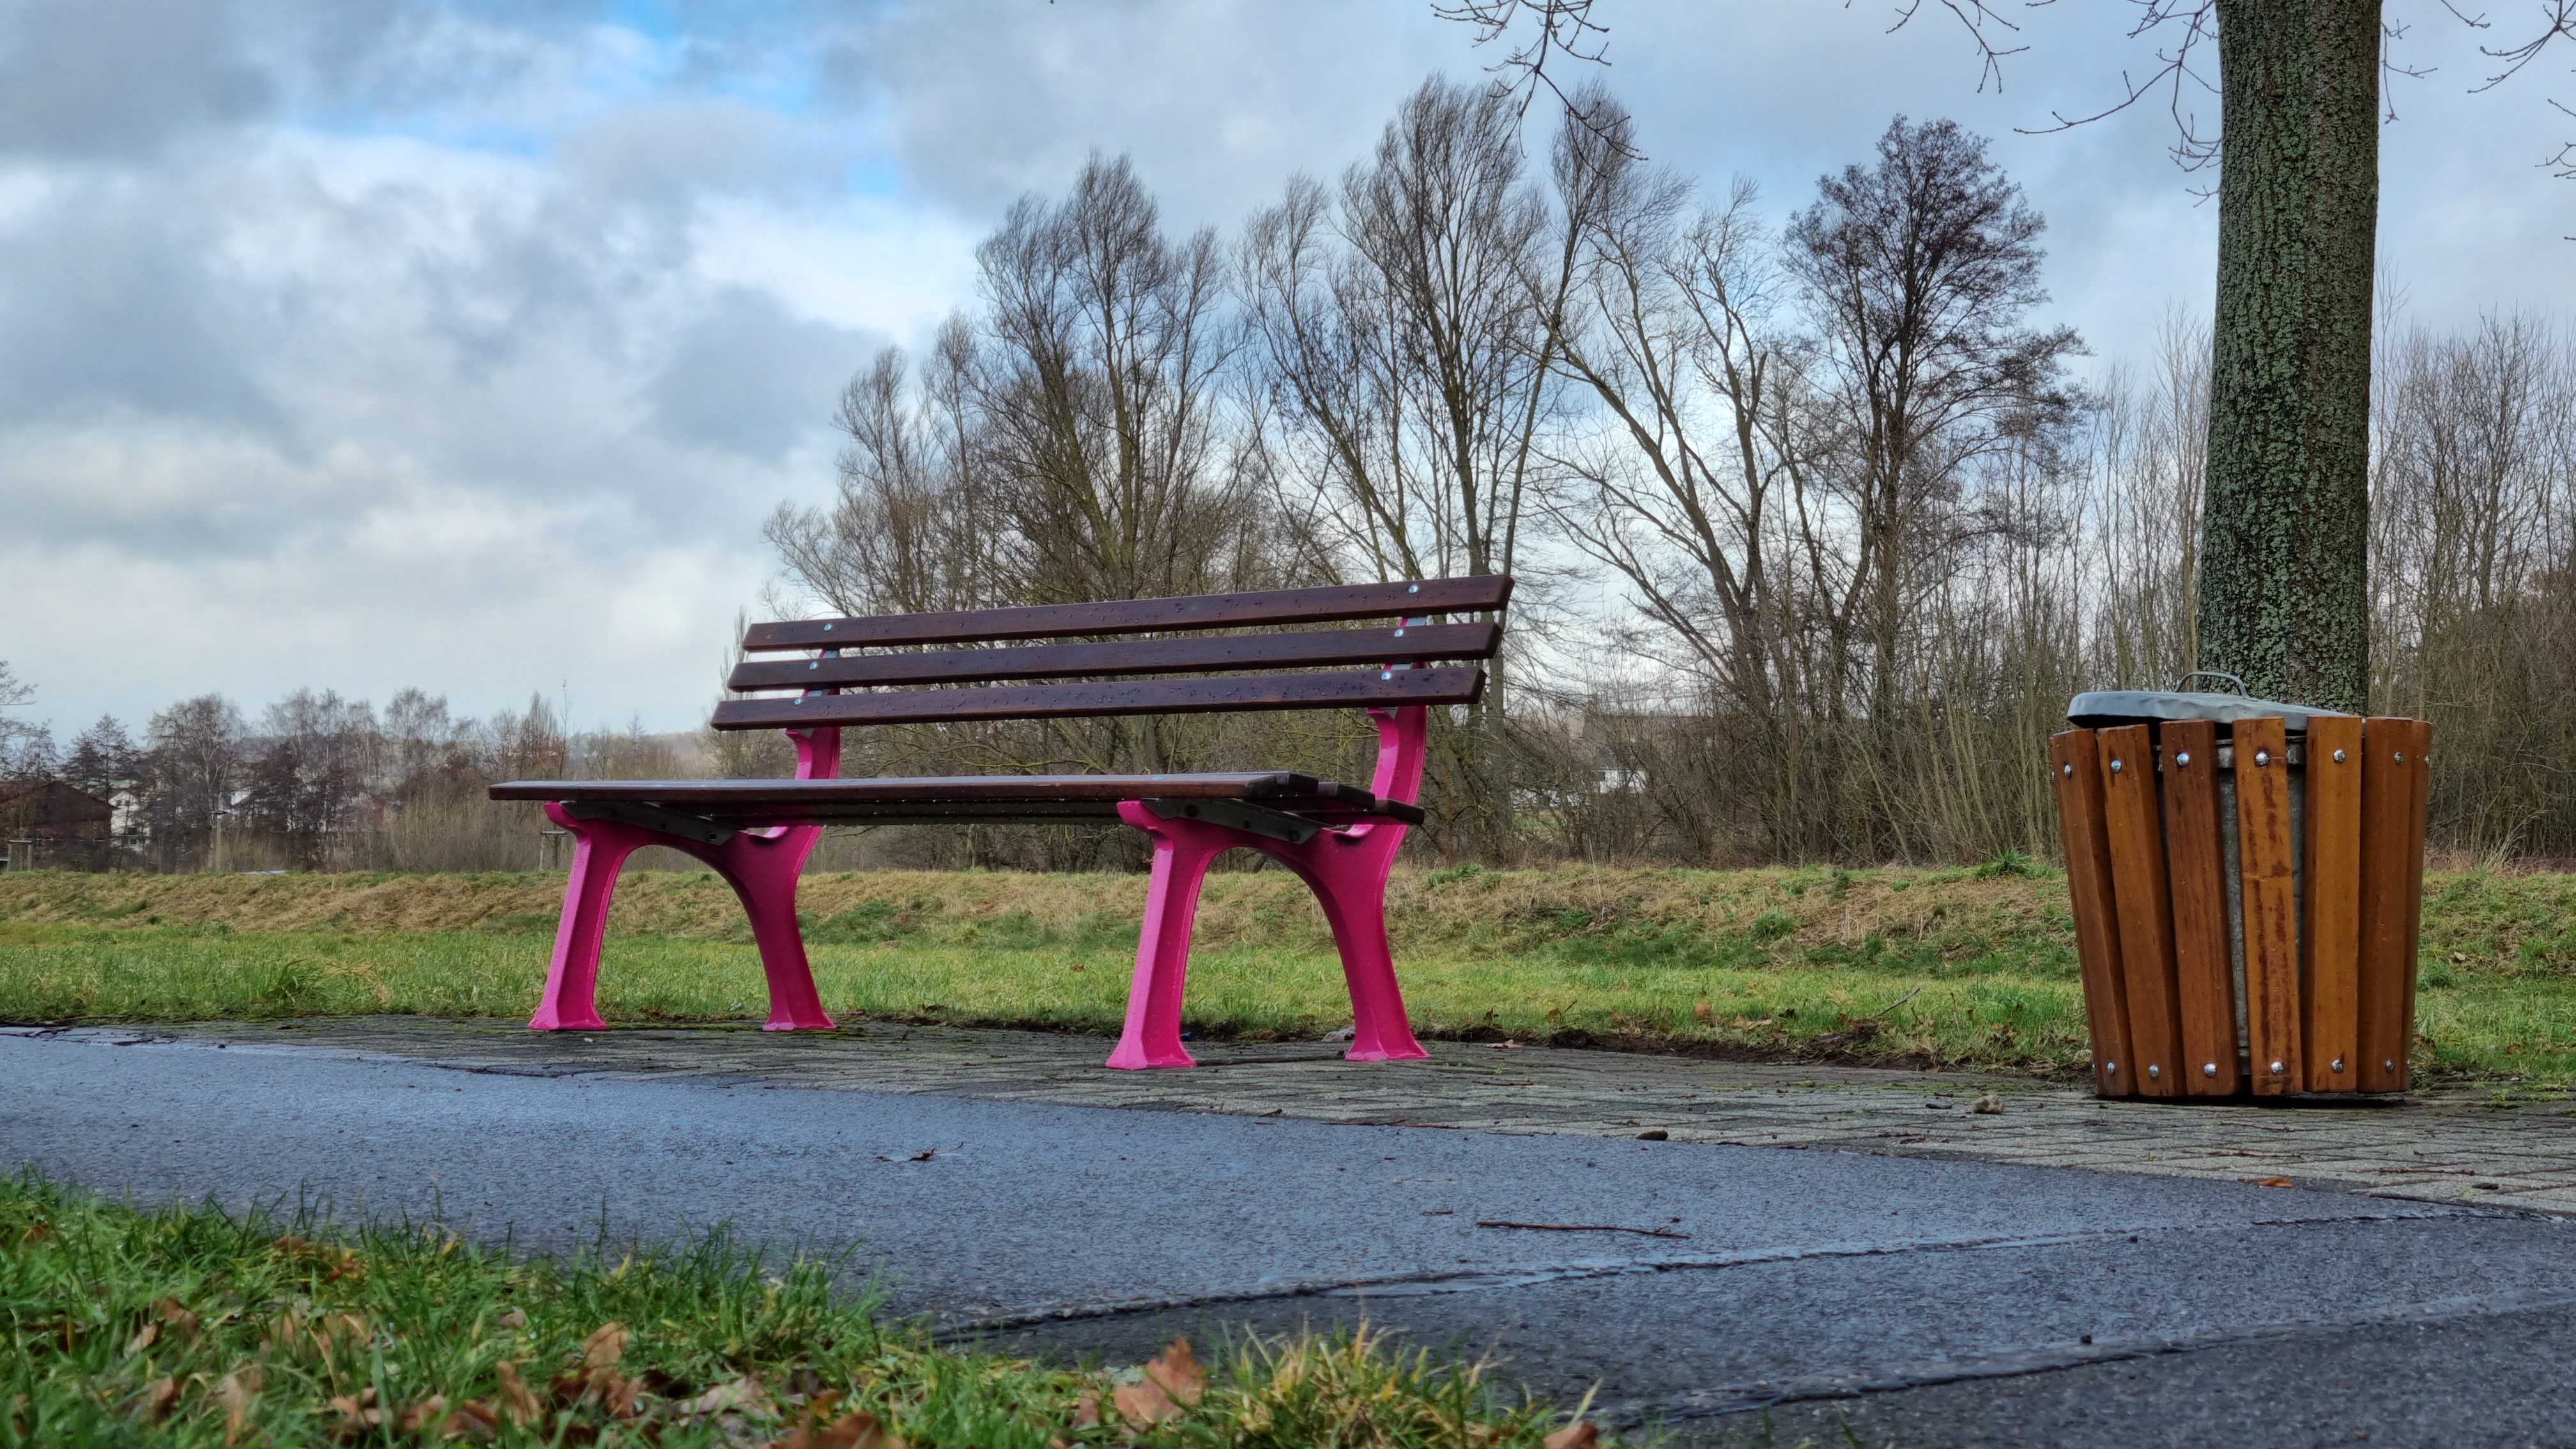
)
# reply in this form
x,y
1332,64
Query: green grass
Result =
x,y
192,1326
1963,967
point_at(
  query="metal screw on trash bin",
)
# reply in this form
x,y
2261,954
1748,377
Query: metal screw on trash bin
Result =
x,y
2262,757
2279,1067
2115,767
2337,1064
2209,1069
2388,1066
2338,757
2069,772
2183,759
2110,1069
2154,1072
2401,757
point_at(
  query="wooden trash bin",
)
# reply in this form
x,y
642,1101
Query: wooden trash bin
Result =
x,y
2247,881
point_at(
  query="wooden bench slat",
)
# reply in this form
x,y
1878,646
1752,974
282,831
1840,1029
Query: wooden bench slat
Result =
x,y
961,797
1229,694
1142,616
1187,655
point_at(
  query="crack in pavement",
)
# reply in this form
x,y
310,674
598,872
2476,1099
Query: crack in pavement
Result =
x,y
1853,1383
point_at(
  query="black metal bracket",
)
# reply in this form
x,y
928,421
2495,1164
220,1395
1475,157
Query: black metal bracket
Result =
x,y
652,817
1254,819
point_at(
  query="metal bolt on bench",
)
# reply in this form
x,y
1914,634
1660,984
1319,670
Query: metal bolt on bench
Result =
x,y
2247,880
1340,839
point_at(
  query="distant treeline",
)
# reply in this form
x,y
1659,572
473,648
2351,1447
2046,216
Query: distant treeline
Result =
x,y
1816,535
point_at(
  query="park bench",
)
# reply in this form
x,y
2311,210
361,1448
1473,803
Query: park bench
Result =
x,y
975,665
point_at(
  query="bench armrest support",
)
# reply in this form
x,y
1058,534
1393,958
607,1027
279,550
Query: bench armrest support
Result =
x,y
1403,743
818,752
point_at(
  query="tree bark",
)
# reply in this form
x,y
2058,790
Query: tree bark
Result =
x,y
2284,600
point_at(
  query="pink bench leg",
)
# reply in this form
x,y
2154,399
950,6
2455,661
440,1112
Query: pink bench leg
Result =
x,y
763,872
1182,850
599,848
1349,880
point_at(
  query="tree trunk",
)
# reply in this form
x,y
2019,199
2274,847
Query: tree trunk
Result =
x,y
2284,600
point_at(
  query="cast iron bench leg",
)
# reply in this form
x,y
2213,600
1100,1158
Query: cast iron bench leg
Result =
x,y
761,866
1346,869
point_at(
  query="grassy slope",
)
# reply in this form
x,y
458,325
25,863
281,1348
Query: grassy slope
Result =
x,y
1959,966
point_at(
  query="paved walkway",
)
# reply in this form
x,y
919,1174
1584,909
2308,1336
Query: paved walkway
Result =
x,y
2459,1145
1937,1278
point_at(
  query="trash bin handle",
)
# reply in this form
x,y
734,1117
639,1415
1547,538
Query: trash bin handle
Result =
x,y
2213,674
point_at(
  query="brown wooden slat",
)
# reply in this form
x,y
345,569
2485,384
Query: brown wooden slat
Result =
x,y
2405,1034
2204,976
1186,655
2136,834
2391,892
2267,882
1483,593
1223,785
2075,767
2338,790
1133,696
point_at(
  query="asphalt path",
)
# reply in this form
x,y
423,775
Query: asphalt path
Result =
x,y
1927,1302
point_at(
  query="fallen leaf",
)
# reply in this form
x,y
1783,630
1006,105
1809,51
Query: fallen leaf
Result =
x,y
617,1392
336,1262
924,1155
517,1399
142,1338
358,1412
475,1419
1654,1134
429,1410
1705,1013
235,1392
515,1318
1172,1382
158,1397
1989,1104
853,1431
743,1396
181,1321
1578,1435
2274,1182
604,1347
1086,1410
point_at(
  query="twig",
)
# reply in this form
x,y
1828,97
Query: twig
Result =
x,y
1581,1228
1891,1006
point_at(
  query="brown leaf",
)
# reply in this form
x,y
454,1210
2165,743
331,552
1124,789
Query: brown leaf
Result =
x,y
475,1419
181,1321
616,1392
744,1395
142,1338
1179,1373
358,1413
335,1261
604,1347
235,1392
1988,1104
429,1410
1086,1410
515,1318
1705,1013
1172,1382
1578,1435
517,1400
852,1431
2274,1182
158,1398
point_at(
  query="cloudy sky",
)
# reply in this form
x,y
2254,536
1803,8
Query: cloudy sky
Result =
x,y
357,345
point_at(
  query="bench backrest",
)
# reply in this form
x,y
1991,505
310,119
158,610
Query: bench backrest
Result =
x,y
1118,674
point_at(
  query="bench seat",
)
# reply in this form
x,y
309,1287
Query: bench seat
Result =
x,y
970,797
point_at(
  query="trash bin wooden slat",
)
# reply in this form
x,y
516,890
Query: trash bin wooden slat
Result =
x,y
2336,789
2135,827
2391,895
2195,858
2076,768
2267,875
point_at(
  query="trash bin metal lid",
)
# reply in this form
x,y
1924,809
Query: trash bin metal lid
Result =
x,y
2102,708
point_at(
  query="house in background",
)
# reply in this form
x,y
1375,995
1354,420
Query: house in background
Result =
x,y
49,822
